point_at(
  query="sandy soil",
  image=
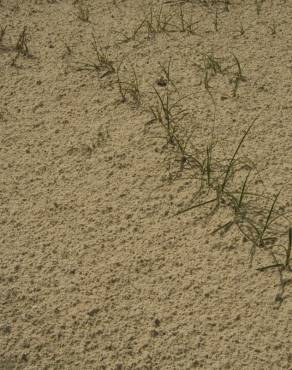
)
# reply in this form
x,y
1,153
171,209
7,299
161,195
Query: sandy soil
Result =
x,y
96,271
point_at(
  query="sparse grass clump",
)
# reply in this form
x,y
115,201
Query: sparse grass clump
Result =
x,y
273,28
2,33
100,63
21,46
132,35
186,24
257,216
82,11
22,43
166,78
168,114
213,66
259,5
158,20
128,85
238,76
218,175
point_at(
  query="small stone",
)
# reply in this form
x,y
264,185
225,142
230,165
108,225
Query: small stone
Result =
x,y
24,357
162,82
5,329
154,333
279,298
156,322
93,312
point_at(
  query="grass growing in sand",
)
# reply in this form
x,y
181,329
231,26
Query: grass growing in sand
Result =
x,y
128,86
100,63
227,182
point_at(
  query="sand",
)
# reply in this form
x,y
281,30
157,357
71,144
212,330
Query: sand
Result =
x,y
96,269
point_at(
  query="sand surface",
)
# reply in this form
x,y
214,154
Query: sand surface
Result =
x,y
96,269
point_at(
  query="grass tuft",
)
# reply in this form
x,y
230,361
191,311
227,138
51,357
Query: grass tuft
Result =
x,y
82,12
2,33
101,63
129,86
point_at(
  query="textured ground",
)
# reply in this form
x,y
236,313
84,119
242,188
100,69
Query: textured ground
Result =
x,y
95,270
